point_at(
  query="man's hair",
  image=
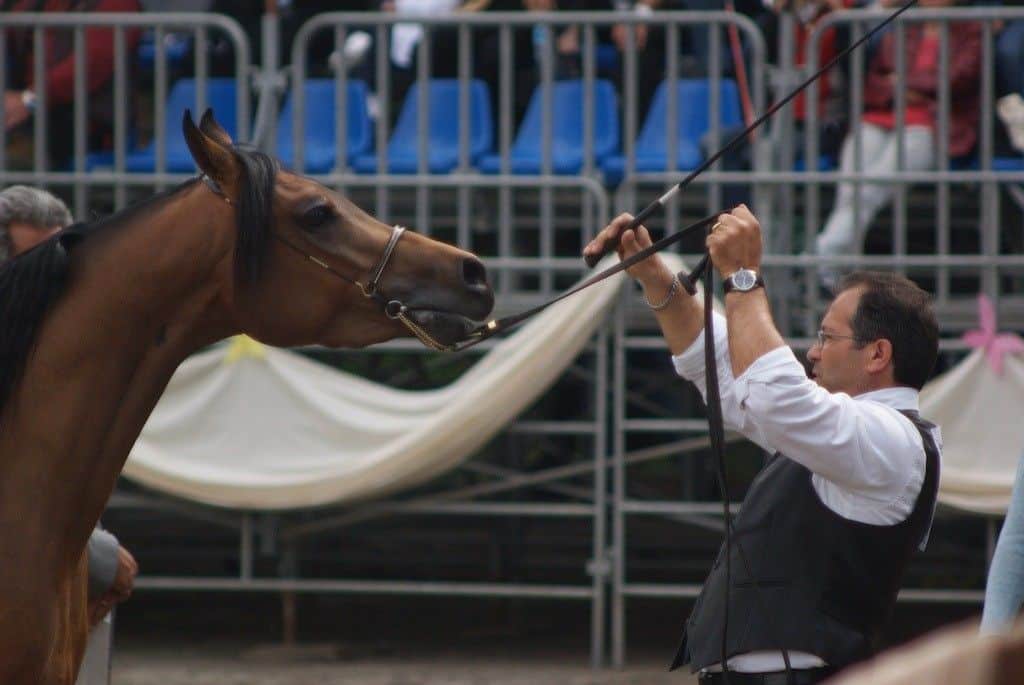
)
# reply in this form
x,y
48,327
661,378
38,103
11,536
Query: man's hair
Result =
x,y
893,307
32,206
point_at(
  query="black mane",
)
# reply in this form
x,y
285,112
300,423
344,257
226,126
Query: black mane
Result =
x,y
255,211
31,283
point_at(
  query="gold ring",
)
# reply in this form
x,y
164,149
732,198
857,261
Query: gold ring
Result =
x,y
718,225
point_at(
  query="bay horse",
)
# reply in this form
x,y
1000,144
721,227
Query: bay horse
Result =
x,y
94,321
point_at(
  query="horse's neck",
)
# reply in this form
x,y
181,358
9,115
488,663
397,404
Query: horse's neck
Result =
x,y
140,300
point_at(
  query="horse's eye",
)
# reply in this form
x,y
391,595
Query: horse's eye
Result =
x,y
317,216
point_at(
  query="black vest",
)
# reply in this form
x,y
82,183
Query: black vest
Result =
x,y
827,584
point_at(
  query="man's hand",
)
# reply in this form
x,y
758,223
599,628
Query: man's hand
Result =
x,y
15,110
120,590
735,242
651,271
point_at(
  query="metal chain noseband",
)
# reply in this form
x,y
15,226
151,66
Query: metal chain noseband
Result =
x,y
371,287
393,309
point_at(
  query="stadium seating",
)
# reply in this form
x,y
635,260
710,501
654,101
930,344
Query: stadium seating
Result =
x,y
220,96
442,127
1008,164
320,123
178,47
693,107
825,163
526,155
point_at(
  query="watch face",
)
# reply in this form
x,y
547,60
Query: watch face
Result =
x,y
744,279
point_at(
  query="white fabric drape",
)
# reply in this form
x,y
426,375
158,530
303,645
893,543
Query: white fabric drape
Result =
x,y
982,420
253,427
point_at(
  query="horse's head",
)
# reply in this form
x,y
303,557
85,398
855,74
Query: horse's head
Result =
x,y
305,259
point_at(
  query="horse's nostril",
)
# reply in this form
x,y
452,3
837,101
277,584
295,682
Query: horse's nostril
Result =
x,y
474,273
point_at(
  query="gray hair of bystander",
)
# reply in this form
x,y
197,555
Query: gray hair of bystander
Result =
x,y
32,206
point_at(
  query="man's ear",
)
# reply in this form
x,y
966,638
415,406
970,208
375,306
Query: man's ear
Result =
x,y
212,153
880,355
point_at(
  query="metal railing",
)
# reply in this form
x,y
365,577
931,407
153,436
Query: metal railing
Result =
x,y
982,175
80,177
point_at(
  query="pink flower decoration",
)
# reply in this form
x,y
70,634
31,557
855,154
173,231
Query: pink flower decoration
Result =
x,y
995,345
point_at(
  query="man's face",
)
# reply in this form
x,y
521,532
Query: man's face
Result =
x,y
838,365
24,236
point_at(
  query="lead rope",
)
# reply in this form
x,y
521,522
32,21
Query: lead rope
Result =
x,y
716,433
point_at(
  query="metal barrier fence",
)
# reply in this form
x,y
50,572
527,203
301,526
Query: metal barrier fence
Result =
x,y
84,171
977,169
528,222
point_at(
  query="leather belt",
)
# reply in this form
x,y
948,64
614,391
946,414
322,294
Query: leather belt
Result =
x,y
804,676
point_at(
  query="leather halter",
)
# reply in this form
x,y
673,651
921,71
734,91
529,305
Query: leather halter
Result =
x,y
393,309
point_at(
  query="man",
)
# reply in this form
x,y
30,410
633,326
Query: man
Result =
x,y
28,216
22,92
829,524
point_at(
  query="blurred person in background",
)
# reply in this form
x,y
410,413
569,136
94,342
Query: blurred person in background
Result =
x,y
358,54
878,135
830,105
1009,58
1004,589
22,92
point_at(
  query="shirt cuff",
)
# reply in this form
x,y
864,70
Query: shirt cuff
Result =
x,y
690,362
769,367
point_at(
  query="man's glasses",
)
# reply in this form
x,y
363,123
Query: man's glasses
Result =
x,y
824,337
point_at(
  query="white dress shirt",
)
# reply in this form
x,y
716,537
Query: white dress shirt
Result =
x,y
867,460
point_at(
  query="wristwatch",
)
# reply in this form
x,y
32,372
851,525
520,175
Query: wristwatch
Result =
x,y
743,280
28,98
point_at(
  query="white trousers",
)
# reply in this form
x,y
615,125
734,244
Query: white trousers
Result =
x,y
844,231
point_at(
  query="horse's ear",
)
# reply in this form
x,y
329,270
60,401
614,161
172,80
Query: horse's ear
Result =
x,y
213,157
208,125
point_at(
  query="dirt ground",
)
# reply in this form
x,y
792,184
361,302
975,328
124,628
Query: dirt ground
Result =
x,y
181,639
220,664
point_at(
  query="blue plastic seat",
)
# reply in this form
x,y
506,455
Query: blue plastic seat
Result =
x,y
972,163
320,124
825,163
525,154
1008,164
693,107
220,96
443,126
177,49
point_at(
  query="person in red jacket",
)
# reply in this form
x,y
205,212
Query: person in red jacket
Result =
x,y
878,136
22,90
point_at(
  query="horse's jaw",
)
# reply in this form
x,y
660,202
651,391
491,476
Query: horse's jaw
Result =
x,y
443,328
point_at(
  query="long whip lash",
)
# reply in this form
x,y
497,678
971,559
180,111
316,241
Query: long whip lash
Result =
x,y
495,326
